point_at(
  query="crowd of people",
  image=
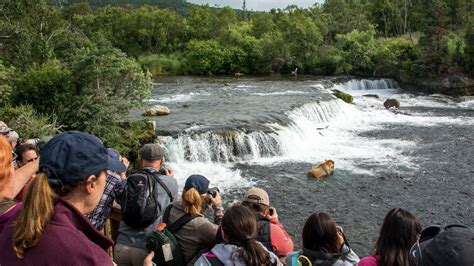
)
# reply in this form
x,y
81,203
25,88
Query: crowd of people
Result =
x,y
54,203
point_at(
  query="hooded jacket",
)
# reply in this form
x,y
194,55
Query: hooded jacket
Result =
x,y
227,254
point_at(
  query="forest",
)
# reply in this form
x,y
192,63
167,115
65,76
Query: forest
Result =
x,y
77,65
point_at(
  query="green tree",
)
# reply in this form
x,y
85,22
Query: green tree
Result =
x,y
358,48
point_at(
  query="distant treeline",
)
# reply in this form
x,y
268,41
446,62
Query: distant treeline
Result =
x,y
84,65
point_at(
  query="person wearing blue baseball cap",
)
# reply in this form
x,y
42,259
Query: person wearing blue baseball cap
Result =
x,y
199,232
50,229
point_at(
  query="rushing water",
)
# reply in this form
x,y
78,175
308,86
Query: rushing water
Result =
x,y
268,132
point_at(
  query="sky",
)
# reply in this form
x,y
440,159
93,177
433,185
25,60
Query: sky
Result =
x,y
258,5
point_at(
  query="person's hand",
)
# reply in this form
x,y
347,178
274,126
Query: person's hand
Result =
x,y
216,200
125,161
169,172
272,213
149,259
340,236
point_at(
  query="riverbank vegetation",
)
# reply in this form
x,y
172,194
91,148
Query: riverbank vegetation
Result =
x,y
85,65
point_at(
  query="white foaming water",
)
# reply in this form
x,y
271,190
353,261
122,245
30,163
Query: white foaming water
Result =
x,y
318,131
279,93
180,97
219,175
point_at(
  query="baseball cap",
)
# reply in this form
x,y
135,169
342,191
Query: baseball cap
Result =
x,y
152,152
72,156
113,153
257,195
4,129
453,246
199,182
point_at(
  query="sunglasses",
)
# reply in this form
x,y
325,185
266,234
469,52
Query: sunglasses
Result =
x,y
32,159
426,234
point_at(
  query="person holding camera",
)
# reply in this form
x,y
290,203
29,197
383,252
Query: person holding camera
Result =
x,y
271,232
199,233
324,243
145,196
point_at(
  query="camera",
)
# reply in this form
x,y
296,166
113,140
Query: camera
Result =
x,y
162,171
213,191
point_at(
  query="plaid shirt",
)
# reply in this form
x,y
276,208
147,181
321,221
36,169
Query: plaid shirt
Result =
x,y
113,190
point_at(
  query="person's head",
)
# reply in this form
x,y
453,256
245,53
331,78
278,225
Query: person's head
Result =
x,y
452,246
397,235
320,233
4,129
73,167
13,138
152,155
6,166
257,200
26,153
195,194
239,227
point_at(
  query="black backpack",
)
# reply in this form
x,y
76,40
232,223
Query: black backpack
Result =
x,y
140,205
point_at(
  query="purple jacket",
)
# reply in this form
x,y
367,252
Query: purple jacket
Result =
x,y
68,239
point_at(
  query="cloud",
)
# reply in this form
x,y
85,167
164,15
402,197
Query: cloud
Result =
x,y
258,4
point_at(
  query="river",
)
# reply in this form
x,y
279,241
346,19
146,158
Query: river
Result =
x,y
269,131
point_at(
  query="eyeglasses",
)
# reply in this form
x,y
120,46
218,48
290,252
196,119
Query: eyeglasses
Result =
x,y
32,159
426,234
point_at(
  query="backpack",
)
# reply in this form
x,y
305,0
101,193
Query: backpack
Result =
x,y
140,205
163,242
212,260
263,235
308,257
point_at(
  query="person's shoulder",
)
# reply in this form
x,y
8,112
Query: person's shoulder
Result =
x,y
368,261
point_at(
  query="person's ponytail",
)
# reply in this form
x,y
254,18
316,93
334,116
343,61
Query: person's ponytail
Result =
x,y
37,210
192,201
253,253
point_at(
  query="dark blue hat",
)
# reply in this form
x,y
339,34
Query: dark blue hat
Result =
x,y
72,156
198,182
113,153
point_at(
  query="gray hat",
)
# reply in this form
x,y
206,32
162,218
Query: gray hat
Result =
x,y
4,129
13,136
152,152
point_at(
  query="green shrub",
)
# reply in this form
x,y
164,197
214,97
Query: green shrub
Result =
x,y
28,123
161,64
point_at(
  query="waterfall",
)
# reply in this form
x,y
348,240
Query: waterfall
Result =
x,y
302,134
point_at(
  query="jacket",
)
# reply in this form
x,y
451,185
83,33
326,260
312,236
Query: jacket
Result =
x,y
68,239
225,254
197,234
281,241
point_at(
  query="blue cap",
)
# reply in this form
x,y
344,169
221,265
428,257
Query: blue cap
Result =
x,y
199,182
113,153
72,156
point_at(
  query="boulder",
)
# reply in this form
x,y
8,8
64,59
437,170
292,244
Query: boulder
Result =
x,y
157,110
343,96
371,96
322,170
389,103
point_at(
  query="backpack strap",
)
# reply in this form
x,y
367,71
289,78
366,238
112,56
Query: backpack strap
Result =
x,y
166,214
212,259
157,178
180,222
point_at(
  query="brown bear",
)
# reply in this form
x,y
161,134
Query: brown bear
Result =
x,y
389,103
322,170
